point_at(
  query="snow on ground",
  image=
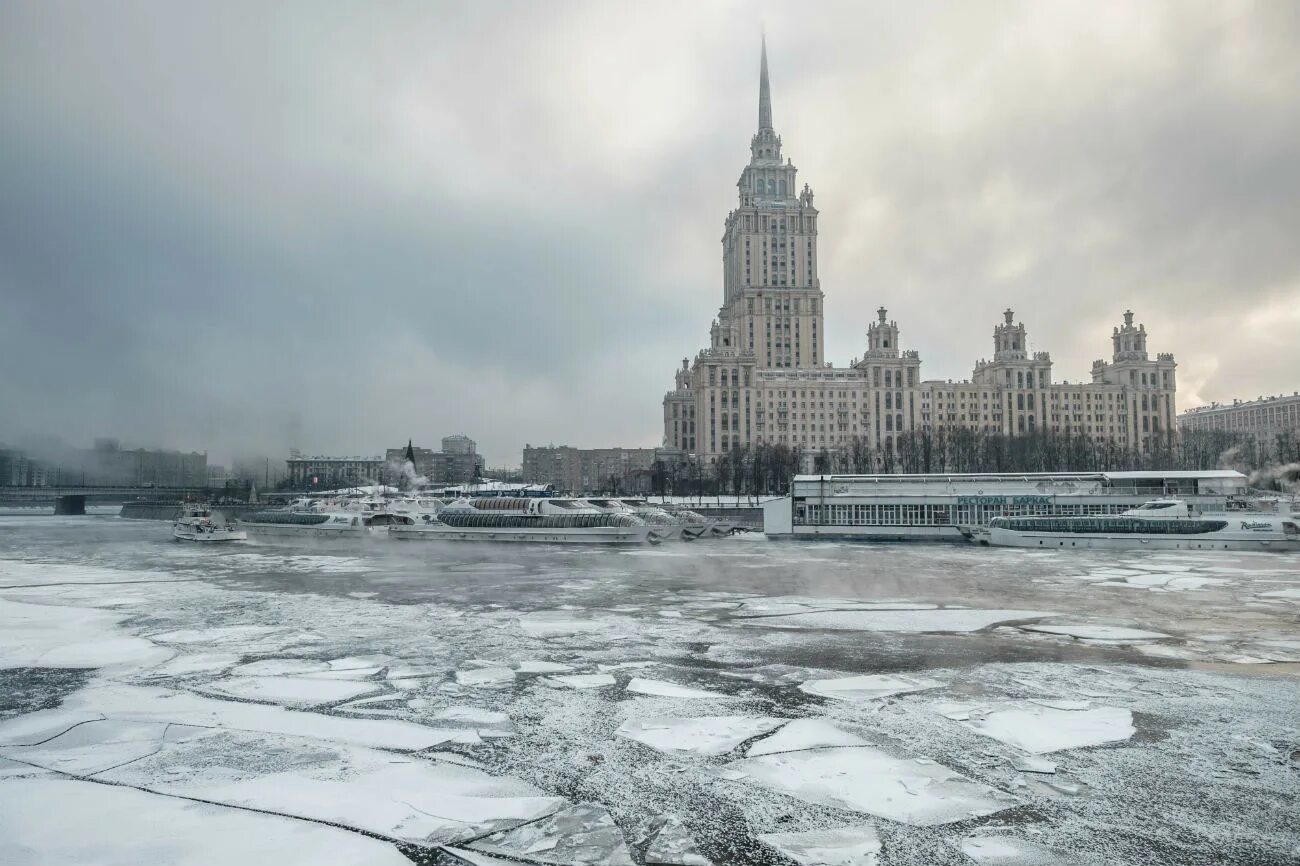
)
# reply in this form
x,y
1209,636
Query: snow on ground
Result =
x,y
494,702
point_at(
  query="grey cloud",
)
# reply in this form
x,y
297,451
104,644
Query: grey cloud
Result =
x,y
503,218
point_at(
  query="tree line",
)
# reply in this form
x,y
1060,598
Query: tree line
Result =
x,y
767,469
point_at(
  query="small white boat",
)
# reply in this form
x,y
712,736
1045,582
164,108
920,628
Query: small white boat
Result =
x,y
540,520
1162,524
195,523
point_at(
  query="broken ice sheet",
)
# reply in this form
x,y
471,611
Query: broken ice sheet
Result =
x,y
918,621
870,780
703,735
1031,764
33,728
1038,729
485,677
1007,850
291,691
96,746
668,690
804,734
580,834
868,687
1086,631
117,825
488,723
670,842
559,623
400,797
852,845
542,667
581,681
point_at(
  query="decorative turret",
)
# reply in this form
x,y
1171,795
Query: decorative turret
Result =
x,y
1130,342
882,337
1009,339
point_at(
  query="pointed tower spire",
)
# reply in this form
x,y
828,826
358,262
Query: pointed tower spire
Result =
x,y
764,93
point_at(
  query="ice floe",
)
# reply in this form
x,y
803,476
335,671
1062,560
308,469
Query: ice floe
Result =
x,y
33,728
558,623
1038,729
291,691
490,677
581,681
942,620
703,735
54,636
1006,850
668,841
853,845
117,825
1031,764
165,705
870,780
1085,631
668,690
804,734
581,834
868,686
542,667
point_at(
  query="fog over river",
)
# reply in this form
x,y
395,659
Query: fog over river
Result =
x,y
730,701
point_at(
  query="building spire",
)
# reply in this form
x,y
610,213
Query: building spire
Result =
x,y
764,93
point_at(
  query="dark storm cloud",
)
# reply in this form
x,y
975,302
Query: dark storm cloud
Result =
x,y
221,223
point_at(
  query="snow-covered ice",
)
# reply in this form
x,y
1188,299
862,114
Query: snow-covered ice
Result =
x,y
868,686
582,681
668,690
668,841
1096,632
944,620
804,734
292,691
703,735
851,845
584,834
49,821
870,780
1038,729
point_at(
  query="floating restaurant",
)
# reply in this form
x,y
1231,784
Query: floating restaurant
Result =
x,y
947,507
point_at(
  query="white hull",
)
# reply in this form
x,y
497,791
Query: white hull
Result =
x,y
539,535
1136,541
209,537
300,531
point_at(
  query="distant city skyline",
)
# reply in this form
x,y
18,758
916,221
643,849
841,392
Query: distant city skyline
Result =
x,y
236,230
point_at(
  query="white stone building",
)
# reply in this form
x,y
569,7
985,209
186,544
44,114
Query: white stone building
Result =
x,y
1263,419
763,378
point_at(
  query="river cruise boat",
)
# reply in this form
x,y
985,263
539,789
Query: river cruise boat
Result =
x,y
1162,524
669,527
195,523
537,520
956,507
306,518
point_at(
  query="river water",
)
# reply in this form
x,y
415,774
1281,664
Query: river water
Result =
x,y
735,701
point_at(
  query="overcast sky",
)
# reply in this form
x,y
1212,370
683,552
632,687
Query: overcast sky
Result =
x,y
249,226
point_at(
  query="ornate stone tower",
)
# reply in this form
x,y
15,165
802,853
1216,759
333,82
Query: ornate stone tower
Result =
x,y
772,299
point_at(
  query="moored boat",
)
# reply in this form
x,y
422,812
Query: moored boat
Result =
x,y
304,518
1161,524
516,519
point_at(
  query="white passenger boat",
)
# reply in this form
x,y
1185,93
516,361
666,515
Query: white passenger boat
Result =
x,y
518,519
305,518
1162,524
195,523
669,527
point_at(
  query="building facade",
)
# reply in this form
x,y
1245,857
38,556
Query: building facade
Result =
x,y
763,378
1264,419
325,473
457,463
590,470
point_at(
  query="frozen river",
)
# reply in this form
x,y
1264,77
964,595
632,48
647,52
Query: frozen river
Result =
x,y
737,701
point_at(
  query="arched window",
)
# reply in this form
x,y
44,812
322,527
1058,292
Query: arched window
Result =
x,y
781,186
771,186
889,420
898,422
